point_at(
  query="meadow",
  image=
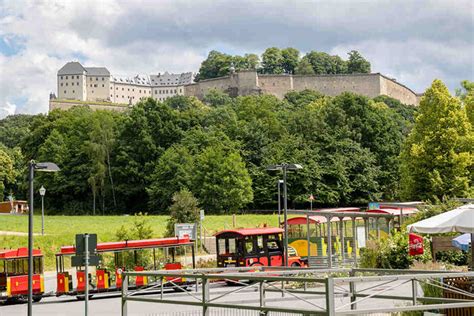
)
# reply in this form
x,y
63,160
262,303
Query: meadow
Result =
x,y
61,230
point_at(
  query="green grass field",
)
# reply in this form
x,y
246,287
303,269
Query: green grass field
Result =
x,y
61,230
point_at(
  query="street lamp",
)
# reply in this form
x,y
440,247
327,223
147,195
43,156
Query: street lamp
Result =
x,y
285,167
42,192
45,167
279,200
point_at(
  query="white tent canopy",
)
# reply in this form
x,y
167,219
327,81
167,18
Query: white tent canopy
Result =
x,y
460,220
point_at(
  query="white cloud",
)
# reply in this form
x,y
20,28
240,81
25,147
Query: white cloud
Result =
x,y
412,41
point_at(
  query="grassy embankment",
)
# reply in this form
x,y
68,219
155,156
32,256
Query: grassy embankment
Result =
x,y
61,230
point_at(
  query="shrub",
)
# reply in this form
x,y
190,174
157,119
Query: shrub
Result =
x,y
458,258
391,253
183,210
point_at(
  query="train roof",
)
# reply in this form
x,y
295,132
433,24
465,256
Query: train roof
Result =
x,y
115,246
18,253
251,231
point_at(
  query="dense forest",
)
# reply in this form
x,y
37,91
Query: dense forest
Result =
x,y
218,149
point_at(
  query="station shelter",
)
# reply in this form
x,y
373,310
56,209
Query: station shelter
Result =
x,y
349,228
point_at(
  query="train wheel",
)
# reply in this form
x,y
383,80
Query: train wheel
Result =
x,y
37,298
295,265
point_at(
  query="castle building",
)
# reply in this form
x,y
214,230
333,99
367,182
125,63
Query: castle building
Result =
x,y
97,88
96,84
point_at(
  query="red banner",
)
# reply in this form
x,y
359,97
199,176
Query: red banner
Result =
x,y
415,244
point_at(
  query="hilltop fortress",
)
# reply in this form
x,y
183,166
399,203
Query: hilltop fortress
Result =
x,y
97,88
250,82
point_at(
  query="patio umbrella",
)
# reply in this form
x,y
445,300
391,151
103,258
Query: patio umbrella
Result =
x,y
462,242
459,220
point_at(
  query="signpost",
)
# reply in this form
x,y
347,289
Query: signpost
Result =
x,y
201,219
185,229
86,254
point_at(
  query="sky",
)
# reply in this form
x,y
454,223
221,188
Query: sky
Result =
x,y
412,41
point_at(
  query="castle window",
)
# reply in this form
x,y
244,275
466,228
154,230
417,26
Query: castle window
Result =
x,y
64,91
78,83
180,90
174,90
122,96
111,95
116,88
77,77
92,91
116,96
102,78
66,84
139,91
66,77
95,85
103,85
128,89
73,91
72,83
91,85
122,89
61,77
96,79
61,84
133,90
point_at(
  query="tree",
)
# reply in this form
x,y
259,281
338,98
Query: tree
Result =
x,y
466,94
252,61
172,173
7,174
217,98
357,63
321,62
185,209
272,61
14,128
221,181
216,64
438,154
291,57
304,67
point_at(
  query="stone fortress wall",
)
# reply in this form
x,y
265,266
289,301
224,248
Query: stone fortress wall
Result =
x,y
249,82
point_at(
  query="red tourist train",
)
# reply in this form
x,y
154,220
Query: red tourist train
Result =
x,y
14,274
235,248
249,247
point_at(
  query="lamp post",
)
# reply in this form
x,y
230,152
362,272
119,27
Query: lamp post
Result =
x,y
42,192
279,182
285,167
39,166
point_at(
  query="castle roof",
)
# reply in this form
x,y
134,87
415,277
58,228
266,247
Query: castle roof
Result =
x,y
170,79
97,71
139,80
72,68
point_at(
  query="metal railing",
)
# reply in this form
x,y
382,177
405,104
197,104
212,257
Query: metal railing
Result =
x,y
316,291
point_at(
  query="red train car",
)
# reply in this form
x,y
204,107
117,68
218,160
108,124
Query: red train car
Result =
x,y
14,274
249,247
107,280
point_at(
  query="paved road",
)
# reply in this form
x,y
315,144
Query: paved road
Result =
x,y
69,306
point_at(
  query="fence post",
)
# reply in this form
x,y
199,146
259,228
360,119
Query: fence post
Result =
x,y
352,289
330,307
414,291
124,294
205,296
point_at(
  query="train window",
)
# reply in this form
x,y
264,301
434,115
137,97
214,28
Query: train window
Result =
x,y
10,267
249,245
273,243
2,266
232,245
221,246
25,265
260,248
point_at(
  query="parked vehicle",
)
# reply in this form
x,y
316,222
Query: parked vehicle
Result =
x,y
249,247
14,275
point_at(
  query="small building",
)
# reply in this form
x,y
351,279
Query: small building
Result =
x,y
14,207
